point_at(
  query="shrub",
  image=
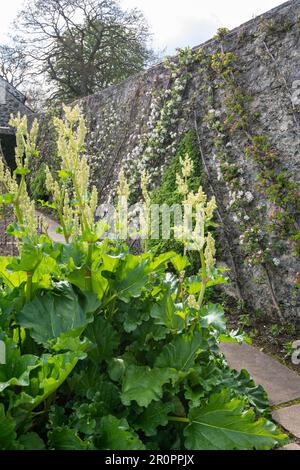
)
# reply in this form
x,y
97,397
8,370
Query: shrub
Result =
x,y
38,185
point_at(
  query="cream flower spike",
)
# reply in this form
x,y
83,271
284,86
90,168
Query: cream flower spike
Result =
x,y
210,252
182,186
123,190
145,181
187,165
210,208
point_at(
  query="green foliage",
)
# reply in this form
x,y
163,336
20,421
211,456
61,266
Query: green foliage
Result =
x,y
223,423
167,191
279,189
38,184
221,33
143,384
106,350
124,383
61,310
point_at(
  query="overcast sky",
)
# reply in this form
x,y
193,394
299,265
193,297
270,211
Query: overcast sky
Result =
x,y
175,23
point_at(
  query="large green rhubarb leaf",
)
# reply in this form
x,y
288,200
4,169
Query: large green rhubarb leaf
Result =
x,y
56,312
7,276
17,368
213,315
31,441
143,385
223,424
154,416
52,372
131,278
115,434
7,431
104,338
182,352
164,313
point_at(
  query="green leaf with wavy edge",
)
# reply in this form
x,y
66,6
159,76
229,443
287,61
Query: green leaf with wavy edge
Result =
x,y
101,263
155,415
132,277
115,434
213,378
16,370
106,397
182,352
223,424
160,262
213,315
65,438
180,263
56,312
41,277
70,341
29,259
144,385
8,434
31,441
103,337
51,374
10,278
164,313
132,318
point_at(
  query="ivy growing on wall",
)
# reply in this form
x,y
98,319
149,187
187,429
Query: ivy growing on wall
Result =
x,y
273,179
266,227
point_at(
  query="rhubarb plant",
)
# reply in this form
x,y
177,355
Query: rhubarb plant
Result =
x,y
107,349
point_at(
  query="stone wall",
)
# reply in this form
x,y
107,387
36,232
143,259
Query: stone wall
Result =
x,y
246,115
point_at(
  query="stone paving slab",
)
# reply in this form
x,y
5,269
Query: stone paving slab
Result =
x,y
281,383
291,446
52,226
289,419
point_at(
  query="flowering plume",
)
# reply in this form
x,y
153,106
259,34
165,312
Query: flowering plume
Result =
x,y
72,199
197,213
15,191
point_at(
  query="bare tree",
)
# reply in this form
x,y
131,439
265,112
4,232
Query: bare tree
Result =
x,y
82,46
13,65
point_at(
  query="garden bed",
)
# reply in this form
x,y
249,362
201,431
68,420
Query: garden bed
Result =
x,y
266,333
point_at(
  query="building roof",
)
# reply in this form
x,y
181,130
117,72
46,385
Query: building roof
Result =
x,y
11,89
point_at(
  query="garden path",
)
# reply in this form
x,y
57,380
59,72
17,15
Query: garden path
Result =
x,y
52,225
281,383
